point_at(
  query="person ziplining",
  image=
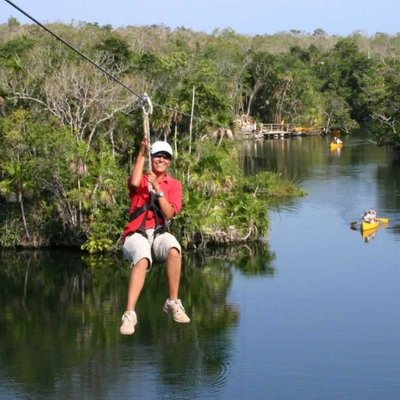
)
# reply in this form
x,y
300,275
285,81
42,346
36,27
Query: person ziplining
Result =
x,y
155,198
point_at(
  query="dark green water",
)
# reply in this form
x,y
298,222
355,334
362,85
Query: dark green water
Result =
x,y
311,314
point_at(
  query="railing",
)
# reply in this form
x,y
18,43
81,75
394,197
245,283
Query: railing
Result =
x,y
277,128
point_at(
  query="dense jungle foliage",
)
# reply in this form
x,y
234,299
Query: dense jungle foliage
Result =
x,y
69,134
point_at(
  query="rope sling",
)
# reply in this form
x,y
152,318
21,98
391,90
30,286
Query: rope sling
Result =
x,y
147,108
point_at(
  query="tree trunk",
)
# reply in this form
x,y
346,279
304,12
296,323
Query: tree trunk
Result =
x,y
191,121
21,205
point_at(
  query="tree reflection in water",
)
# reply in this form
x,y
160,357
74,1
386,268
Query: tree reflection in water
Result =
x,y
60,313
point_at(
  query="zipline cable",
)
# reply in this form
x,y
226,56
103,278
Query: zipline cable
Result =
x,y
75,50
112,77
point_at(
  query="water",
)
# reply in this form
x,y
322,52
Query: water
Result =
x,y
331,312
311,314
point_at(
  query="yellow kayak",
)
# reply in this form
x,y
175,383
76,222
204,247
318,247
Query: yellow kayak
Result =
x,y
366,226
334,146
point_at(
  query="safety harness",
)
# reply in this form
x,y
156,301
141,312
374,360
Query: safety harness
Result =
x,y
162,224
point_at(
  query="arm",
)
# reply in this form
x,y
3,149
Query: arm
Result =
x,y
166,207
137,169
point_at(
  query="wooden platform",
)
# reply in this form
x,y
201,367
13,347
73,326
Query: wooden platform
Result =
x,y
276,131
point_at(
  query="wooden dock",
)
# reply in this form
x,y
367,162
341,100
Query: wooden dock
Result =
x,y
276,131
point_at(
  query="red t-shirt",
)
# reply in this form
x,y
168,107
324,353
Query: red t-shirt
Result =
x,y
172,189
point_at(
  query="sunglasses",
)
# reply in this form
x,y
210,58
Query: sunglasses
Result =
x,y
165,156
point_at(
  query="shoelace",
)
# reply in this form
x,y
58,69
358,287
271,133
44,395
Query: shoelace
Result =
x,y
127,319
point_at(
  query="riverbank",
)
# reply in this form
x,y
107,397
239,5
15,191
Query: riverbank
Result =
x,y
221,206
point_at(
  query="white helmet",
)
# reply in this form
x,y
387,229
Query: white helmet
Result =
x,y
160,146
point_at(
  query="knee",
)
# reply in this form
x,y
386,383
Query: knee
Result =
x,y
173,258
174,252
142,265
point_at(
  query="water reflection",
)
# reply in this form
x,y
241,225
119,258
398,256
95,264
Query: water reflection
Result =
x,y
251,259
388,178
59,325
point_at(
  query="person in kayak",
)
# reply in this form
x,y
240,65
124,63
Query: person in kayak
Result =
x,y
155,198
369,216
336,140
373,213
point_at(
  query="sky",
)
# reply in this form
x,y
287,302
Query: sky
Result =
x,y
249,17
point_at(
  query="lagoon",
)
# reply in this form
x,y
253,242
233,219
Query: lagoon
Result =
x,y
311,313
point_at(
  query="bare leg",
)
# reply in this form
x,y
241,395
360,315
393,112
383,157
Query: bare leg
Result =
x,y
173,271
136,282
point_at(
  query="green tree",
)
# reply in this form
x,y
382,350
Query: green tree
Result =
x,y
385,115
116,51
15,162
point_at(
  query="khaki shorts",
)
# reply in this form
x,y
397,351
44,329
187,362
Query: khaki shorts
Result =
x,y
136,247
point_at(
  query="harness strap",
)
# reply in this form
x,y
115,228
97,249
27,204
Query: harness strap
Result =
x,y
138,211
160,227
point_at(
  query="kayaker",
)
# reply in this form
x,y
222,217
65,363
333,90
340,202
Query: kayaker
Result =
x,y
336,140
372,212
155,198
369,216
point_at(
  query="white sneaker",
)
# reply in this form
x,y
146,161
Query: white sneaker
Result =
x,y
129,320
175,308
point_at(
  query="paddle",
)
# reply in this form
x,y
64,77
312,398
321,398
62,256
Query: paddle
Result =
x,y
383,220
